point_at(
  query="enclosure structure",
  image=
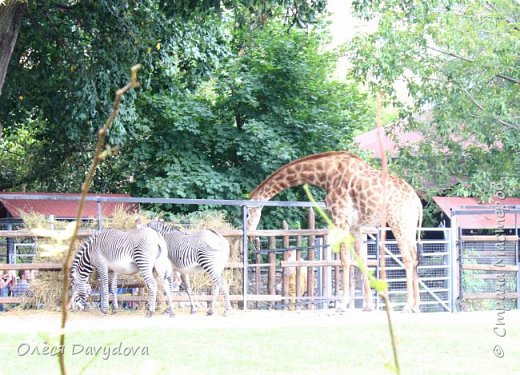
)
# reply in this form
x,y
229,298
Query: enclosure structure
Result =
x,y
54,206
487,261
266,284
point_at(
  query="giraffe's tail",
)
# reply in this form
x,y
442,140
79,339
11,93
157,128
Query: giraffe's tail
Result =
x,y
419,225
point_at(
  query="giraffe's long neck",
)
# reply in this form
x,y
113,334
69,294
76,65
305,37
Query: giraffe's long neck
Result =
x,y
316,173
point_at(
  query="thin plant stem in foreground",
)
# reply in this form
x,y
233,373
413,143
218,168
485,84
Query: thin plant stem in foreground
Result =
x,y
100,154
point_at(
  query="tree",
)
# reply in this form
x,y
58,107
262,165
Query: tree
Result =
x,y
69,57
270,101
459,63
10,21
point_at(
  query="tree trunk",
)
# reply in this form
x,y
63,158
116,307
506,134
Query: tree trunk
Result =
x,y
10,20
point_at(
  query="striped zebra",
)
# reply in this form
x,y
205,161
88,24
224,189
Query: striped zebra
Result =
x,y
114,251
204,250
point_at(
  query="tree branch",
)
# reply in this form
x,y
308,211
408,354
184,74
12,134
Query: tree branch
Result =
x,y
459,57
494,9
481,107
98,157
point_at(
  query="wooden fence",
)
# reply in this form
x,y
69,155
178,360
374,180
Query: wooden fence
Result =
x,y
267,258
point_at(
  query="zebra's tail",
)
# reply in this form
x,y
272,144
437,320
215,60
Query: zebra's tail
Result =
x,y
163,247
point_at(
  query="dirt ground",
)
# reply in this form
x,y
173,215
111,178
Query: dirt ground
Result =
x,y
20,321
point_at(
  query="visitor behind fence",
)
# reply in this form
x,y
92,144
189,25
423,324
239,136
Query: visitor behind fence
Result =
x,y
22,287
5,283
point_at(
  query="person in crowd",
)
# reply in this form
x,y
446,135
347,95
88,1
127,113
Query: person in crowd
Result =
x,y
5,284
22,287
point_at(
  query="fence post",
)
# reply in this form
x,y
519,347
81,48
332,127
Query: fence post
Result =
x,y
271,273
99,214
337,276
453,262
517,262
258,269
298,271
285,278
11,259
244,257
326,276
310,256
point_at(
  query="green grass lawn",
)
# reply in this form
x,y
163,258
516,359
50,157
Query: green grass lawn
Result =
x,y
261,343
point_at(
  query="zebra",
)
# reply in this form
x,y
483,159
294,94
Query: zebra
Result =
x,y
204,250
114,251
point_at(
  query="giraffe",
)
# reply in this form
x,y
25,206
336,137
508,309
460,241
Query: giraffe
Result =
x,y
354,199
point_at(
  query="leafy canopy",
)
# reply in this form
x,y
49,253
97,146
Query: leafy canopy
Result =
x,y
458,61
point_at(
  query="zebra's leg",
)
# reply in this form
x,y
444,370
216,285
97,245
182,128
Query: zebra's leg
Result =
x,y
152,292
219,283
186,281
214,294
103,280
113,289
164,269
168,287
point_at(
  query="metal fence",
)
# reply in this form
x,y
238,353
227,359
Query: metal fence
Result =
x,y
434,269
488,266
484,285
443,277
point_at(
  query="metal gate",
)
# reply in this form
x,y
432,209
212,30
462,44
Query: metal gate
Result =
x,y
488,260
435,269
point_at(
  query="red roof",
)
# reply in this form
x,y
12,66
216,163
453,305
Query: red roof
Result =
x,y
478,221
369,141
60,208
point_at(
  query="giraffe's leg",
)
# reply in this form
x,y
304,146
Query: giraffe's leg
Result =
x,y
408,250
186,281
113,289
408,265
416,293
345,264
362,252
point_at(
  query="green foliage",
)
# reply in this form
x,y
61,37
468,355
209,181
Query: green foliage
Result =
x,y
459,63
63,97
269,101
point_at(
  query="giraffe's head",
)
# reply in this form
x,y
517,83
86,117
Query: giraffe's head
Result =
x,y
253,217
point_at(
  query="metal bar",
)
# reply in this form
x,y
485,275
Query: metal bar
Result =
x,y
245,257
452,262
10,246
378,260
431,292
517,261
511,210
219,202
99,215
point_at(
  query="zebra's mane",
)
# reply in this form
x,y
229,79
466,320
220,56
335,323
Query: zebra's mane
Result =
x,y
162,226
81,252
